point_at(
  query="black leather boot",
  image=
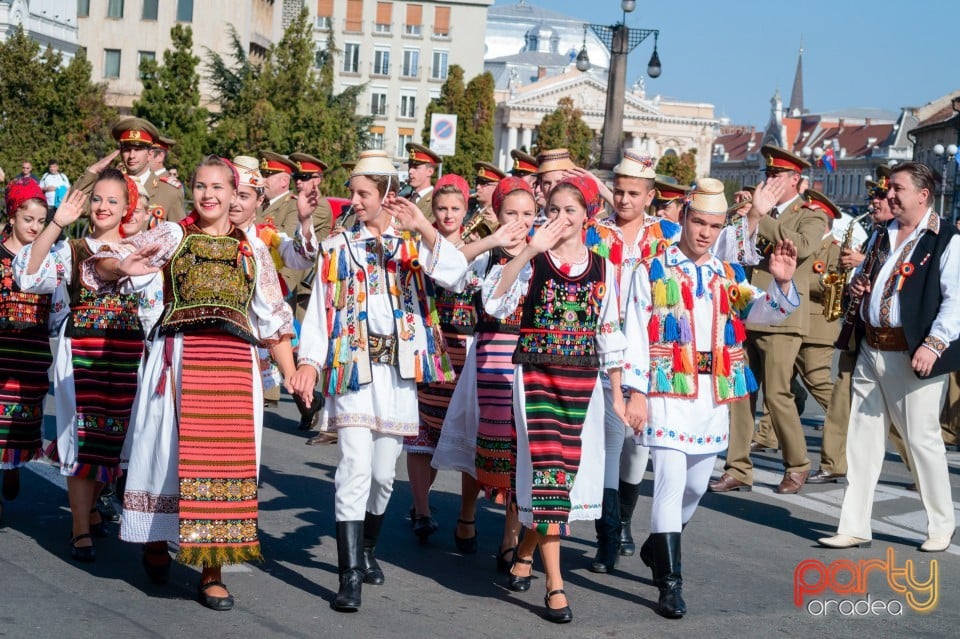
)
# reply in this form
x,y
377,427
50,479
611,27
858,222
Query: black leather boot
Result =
x,y
608,533
308,415
350,565
665,548
372,573
629,493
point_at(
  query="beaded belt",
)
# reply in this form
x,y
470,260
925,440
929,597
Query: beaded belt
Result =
x,y
886,338
383,349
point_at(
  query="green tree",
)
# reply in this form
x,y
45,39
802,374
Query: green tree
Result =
x,y
49,110
682,168
171,100
565,129
287,104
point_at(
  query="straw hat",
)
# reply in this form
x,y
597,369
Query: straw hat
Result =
x,y
248,170
635,165
374,162
555,160
707,197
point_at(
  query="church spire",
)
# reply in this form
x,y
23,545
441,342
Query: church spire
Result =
x,y
796,96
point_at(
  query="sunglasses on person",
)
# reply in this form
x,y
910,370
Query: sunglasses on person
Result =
x,y
303,177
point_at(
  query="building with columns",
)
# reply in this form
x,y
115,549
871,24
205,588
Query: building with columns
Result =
x,y
52,23
652,126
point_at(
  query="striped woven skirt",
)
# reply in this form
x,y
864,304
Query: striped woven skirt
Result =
x,y
496,440
105,385
434,399
24,359
217,468
556,399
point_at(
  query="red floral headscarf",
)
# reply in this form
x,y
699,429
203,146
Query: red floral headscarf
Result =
x,y
22,190
505,187
588,189
452,179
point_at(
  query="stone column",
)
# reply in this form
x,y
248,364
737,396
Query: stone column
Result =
x,y
527,139
511,138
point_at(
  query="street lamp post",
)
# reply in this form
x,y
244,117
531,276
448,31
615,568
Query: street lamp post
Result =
x,y
946,154
620,40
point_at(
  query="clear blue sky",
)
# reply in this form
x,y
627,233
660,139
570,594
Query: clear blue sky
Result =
x,y
735,53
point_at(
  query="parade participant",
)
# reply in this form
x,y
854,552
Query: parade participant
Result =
x,y
569,330
551,166
901,372
486,178
457,313
371,357
189,458
158,153
627,237
24,346
136,137
99,350
421,166
778,213
478,435
309,177
681,378
524,167
669,199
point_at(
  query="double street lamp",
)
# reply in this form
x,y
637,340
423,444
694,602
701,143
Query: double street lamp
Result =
x,y
620,40
947,154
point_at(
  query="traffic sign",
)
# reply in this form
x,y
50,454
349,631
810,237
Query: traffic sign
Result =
x,y
443,134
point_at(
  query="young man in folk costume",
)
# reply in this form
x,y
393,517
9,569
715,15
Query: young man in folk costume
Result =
x,y
371,334
627,237
685,363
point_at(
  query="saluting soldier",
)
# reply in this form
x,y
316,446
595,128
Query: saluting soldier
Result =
x,y
778,213
136,137
309,175
422,163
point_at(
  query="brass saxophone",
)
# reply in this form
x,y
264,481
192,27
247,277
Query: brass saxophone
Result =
x,y
834,280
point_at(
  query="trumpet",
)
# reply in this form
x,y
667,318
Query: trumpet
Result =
x,y
479,226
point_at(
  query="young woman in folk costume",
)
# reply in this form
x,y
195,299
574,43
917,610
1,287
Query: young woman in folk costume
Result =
x,y
194,454
99,351
628,237
456,308
478,437
371,334
684,324
570,329
298,252
24,343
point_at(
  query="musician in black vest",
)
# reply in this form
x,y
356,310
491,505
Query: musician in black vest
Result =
x,y
905,357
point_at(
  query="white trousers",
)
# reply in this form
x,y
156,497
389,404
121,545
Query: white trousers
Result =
x,y
625,459
679,481
365,472
886,390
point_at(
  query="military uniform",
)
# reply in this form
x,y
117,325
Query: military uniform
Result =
x,y
772,350
323,214
419,154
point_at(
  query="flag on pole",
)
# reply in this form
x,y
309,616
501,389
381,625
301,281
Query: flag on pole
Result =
x,y
829,161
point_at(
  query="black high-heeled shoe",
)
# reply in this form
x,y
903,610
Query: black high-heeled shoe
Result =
x,y
517,583
466,545
424,527
82,553
557,615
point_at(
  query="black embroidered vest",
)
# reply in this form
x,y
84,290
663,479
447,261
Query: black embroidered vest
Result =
x,y
107,313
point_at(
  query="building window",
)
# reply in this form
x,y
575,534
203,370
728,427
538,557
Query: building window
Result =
x,y
441,22
324,14
414,21
184,10
376,137
111,63
439,71
354,21
411,63
149,10
114,8
384,17
141,57
408,106
83,8
378,104
381,62
404,137
351,57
